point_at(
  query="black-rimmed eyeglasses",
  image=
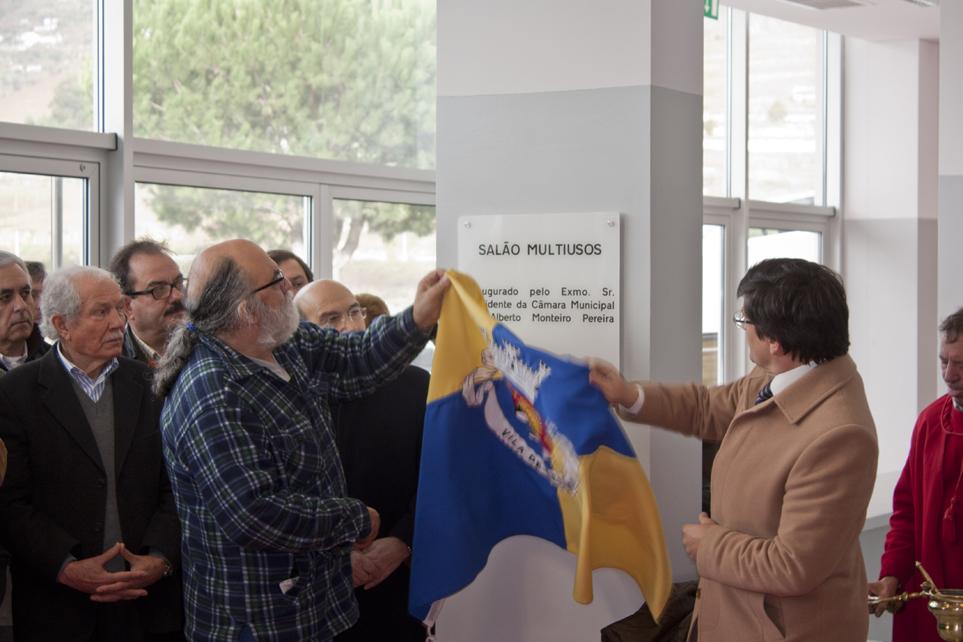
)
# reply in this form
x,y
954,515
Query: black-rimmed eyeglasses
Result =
x,y
278,277
161,291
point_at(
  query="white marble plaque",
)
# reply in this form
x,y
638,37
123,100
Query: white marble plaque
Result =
x,y
553,279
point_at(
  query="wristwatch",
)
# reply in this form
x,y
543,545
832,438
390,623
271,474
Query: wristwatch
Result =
x,y
168,568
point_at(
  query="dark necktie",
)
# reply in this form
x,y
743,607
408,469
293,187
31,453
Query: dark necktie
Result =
x,y
765,393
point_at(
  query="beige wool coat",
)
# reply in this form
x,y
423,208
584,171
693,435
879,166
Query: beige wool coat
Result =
x,y
790,486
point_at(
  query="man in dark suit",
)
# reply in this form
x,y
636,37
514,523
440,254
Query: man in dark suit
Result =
x,y
153,281
379,442
86,509
20,342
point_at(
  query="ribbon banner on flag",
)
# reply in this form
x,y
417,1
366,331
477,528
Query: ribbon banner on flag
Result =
x,y
517,442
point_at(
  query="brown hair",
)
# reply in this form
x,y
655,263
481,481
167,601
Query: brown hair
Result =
x,y
374,307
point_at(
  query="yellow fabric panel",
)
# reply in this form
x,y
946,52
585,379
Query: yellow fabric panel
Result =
x,y
460,339
613,522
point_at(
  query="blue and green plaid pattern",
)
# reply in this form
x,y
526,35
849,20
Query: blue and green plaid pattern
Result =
x,y
267,530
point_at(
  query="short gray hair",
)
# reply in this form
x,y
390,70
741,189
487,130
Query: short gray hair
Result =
x,y
9,258
60,296
952,326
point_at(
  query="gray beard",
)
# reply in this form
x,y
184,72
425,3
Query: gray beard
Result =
x,y
277,325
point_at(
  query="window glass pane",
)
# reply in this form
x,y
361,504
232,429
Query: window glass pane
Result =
x,y
384,248
189,219
784,76
46,62
39,214
345,79
714,106
765,243
713,270
713,287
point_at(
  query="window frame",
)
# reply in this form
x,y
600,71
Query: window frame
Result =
x,y
737,214
36,161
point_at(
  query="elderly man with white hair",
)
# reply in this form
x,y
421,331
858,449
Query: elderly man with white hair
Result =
x,y
86,510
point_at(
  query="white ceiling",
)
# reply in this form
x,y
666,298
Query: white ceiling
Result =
x,y
871,20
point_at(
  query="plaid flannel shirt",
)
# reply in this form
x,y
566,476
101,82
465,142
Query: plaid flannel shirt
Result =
x,y
267,529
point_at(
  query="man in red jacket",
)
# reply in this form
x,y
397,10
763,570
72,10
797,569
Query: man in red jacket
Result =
x,y
927,521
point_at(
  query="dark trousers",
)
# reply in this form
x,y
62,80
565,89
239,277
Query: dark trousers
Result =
x,y
118,622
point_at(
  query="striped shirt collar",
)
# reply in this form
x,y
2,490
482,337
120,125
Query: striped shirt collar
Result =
x,y
93,388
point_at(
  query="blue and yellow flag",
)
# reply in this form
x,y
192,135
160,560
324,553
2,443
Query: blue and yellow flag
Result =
x,y
517,442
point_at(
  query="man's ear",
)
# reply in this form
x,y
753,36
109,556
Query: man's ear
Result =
x,y
775,348
245,312
60,324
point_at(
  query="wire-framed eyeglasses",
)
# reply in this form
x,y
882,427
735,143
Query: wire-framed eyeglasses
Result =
x,y
741,320
335,319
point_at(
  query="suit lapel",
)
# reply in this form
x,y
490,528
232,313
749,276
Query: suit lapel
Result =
x,y
60,398
128,393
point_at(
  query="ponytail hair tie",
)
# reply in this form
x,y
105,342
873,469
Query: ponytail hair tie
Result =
x,y
190,326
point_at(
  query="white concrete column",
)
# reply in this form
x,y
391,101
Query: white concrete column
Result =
x,y
889,234
889,252
951,159
576,106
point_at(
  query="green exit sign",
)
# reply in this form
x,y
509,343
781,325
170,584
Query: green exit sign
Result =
x,y
711,9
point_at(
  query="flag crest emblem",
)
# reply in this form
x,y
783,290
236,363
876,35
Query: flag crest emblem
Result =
x,y
517,442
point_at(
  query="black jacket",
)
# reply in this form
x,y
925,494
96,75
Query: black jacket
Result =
x,y
36,348
379,440
132,349
53,500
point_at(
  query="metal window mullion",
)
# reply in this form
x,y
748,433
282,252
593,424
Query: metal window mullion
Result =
x,y
823,119
57,220
324,233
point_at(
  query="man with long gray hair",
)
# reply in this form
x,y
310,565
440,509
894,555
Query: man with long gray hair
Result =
x,y
86,509
250,449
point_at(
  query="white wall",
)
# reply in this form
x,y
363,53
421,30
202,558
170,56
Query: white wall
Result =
x,y
576,106
889,251
889,233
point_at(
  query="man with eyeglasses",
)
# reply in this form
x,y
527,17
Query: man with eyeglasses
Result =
x,y
86,510
250,447
151,280
779,558
380,452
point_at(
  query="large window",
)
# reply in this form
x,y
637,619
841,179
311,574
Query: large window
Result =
x,y
42,217
767,159
189,219
715,107
785,74
383,248
237,119
46,62
773,243
351,80
713,291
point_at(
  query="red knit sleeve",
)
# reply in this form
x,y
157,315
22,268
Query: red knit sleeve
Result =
x,y
899,550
